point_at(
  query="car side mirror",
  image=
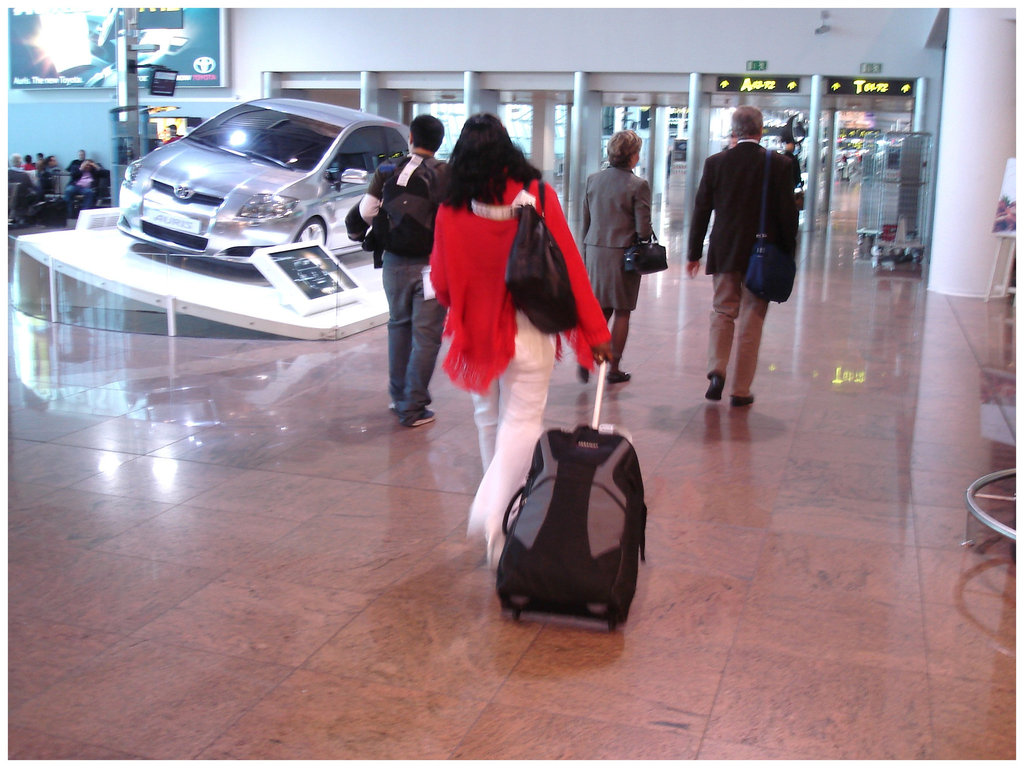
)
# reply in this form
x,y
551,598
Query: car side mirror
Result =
x,y
354,176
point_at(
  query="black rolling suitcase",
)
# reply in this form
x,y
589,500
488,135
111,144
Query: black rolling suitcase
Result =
x,y
575,530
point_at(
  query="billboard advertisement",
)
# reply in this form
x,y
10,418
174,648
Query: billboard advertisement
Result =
x,y
75,48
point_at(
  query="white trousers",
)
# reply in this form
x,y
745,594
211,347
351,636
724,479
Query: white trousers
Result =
x,y
510,419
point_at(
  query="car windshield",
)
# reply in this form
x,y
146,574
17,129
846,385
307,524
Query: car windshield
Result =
x,y
268,136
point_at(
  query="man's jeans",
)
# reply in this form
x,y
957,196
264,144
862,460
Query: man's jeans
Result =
x,y
73,191
414,334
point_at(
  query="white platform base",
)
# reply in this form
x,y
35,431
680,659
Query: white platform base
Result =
x,y
103,258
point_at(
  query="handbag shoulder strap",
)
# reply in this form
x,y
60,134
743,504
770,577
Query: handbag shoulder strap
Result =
x,y
762,233
539,196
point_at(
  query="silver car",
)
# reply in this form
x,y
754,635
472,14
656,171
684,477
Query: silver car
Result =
x,y
266,172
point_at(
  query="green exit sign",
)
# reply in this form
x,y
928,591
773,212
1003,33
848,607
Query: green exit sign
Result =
x,y
757,66
870,68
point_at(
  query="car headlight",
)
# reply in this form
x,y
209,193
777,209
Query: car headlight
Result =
x,y
131,173
266,206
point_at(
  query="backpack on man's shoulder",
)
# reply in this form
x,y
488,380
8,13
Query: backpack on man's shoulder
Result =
x,y
409,202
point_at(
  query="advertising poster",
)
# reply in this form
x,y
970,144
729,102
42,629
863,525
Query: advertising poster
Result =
x,y
74,48
1006,210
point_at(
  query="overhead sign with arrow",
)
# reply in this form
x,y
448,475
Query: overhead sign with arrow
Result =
x,y
757,84
864,86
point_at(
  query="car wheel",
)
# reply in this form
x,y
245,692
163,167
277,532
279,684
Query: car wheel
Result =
x,y
312,231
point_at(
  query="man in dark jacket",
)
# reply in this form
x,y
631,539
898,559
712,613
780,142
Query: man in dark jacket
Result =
x,y
731,188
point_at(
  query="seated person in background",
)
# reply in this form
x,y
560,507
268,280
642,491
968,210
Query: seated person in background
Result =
x,y
46,172
27,192
83,183
77,162
28,165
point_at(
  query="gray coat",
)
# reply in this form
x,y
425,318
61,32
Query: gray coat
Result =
x,y
617,207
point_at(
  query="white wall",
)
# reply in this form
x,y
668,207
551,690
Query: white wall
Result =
x,y
582,39
455,40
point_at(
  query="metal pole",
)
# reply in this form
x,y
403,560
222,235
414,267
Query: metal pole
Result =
x,y
694,152
577,149
813,144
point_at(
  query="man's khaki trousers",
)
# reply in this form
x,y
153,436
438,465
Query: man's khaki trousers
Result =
x,y
735,311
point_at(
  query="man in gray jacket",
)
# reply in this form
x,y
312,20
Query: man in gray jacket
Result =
x,y
731,187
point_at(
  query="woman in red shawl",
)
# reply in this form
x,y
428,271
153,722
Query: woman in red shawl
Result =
x,y
495,352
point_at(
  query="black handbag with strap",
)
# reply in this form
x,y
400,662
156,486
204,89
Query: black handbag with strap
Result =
x,y
771,271
645,256
536,275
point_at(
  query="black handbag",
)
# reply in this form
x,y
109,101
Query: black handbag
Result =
x,y
645,256
771,271
536,275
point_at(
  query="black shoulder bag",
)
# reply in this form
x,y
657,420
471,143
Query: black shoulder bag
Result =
x,y
536,275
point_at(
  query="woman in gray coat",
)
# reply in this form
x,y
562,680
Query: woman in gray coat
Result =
x,y
616,211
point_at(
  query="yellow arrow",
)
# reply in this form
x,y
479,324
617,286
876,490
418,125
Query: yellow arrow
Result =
x,y
724,84
792,84
836,86
906,88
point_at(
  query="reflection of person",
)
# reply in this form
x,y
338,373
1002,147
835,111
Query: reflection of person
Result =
x,y
496,352
83,183
172,134
731,187
616,211
415,319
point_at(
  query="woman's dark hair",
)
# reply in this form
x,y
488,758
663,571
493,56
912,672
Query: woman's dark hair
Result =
x,y
483,159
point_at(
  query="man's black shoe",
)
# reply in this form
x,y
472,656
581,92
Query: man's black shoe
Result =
x,y
741,401
717,385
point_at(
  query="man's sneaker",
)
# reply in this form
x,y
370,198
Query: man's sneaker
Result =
x,y
423,417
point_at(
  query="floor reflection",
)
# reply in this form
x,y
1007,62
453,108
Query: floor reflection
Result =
x,y
229,548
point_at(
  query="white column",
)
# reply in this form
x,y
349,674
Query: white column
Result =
x,y
978,125
368,90
542,147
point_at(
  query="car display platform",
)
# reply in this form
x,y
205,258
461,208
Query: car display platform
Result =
x,y
111,261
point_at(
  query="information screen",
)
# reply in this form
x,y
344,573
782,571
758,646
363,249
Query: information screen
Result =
x,y
73,48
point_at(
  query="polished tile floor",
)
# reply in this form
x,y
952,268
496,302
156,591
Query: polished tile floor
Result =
x,y
230,549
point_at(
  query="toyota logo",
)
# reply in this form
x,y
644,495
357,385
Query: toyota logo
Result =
x,y
183,193
204,65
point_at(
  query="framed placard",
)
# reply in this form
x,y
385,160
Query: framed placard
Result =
x,y
308,277
1006,208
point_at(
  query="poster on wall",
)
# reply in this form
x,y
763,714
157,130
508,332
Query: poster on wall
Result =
x,y
74,48
1006,210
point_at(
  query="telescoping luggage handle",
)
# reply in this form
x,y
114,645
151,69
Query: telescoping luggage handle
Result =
x,y
596,421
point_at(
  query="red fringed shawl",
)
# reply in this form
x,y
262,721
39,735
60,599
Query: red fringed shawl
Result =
x,y
467,268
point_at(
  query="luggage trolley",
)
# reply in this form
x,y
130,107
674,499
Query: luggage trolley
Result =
x,y
894,197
